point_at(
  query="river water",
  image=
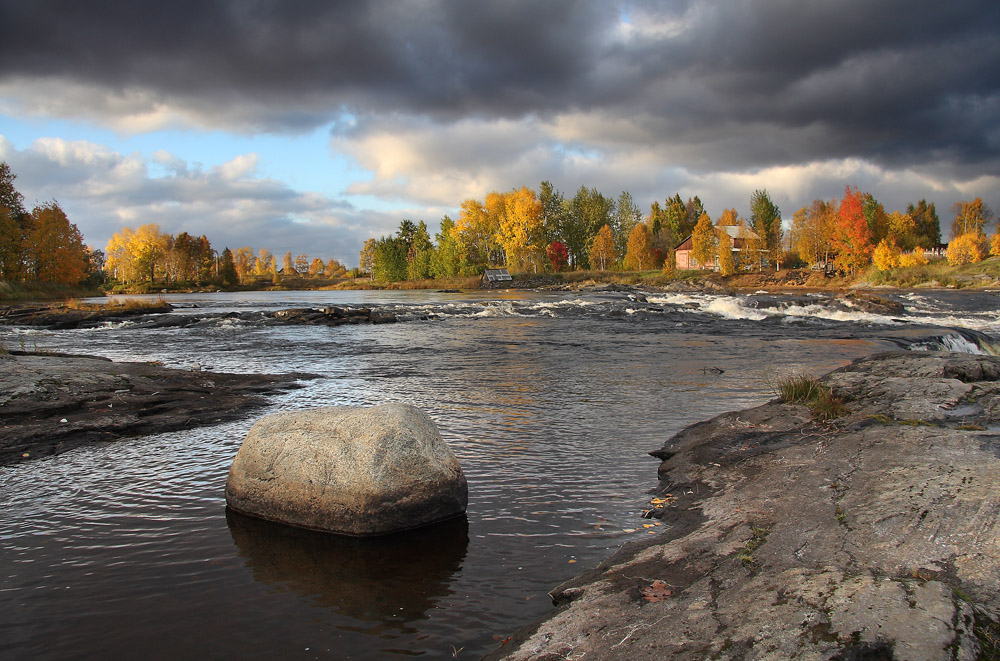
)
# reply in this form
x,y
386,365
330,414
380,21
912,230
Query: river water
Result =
x,y
551,402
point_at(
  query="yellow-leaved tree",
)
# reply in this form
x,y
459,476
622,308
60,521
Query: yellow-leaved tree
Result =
x,y
137,255
639,250
968,248
473,233
886,255
704,243
602,250
727,263
915,257
245,262
519,224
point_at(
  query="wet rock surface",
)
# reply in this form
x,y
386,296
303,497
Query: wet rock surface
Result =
x,y
348,469
56,317
50,403
872,535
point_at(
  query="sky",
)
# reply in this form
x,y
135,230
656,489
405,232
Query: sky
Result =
x,y
309,126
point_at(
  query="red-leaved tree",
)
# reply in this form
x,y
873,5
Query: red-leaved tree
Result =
x,y
558,255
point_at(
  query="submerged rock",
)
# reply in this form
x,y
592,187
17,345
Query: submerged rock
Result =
x,y
870,535
349,470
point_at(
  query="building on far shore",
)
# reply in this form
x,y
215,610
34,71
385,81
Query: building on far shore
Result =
x,y
739,238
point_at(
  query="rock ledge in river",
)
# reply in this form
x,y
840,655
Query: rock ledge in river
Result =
x,y
349,470
874,535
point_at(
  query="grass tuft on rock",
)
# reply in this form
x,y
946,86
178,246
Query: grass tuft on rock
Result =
x,y
801,389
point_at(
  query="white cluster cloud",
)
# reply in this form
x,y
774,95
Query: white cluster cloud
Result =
x,y
102,191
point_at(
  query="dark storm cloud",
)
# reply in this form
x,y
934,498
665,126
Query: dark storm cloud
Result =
x,y
724,84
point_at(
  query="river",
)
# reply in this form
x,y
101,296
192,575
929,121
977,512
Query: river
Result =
x,y
551,402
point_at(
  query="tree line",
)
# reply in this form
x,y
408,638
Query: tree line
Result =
x,y
147,254
529,231
523,230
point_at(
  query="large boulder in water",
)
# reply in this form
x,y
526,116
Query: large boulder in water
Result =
x,y
348,469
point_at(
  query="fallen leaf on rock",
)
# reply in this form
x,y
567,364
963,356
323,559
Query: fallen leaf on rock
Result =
x,y
657,591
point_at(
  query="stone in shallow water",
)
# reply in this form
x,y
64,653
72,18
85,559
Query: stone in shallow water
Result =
x,y
348,469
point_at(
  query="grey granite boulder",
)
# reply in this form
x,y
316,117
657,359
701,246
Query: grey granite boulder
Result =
x,y
348,469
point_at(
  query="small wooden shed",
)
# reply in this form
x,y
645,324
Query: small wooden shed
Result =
x,y
495,276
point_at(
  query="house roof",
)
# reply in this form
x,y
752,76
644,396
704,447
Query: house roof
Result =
x,y
738,233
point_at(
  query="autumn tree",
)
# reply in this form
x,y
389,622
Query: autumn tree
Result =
x,y
968,248
263,265
851,239
288,265
729,218
137,255
970,218
704,242
302,264
693,208
901,230
915,257
11,246
366,260
886,255
474,233
727,263
588,212
244,260
316,267
602,250
639,251
334,269
558,255
13,227
628,216
812,230
55,249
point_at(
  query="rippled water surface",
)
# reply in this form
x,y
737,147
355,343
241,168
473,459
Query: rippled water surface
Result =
x,y
550,401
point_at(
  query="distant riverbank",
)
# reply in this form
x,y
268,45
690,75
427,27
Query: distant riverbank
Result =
x,y
938,274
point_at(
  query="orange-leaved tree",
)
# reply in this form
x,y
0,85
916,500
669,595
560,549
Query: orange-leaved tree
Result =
x,y
55,247
851,238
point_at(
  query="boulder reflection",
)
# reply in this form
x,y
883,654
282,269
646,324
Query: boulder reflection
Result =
x,y
387,580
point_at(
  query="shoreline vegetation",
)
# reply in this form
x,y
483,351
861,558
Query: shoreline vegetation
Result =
x,y
935,274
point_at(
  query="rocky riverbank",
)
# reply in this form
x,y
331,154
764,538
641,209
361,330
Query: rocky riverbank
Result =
x,y
874,535
50,403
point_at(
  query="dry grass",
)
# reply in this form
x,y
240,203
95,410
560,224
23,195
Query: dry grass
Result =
x,y
806,390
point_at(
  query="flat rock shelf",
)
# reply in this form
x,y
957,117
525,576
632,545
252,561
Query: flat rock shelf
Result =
x,y
868,535
50,403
